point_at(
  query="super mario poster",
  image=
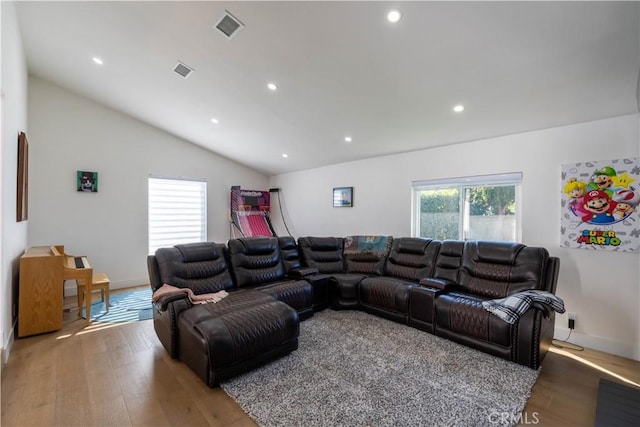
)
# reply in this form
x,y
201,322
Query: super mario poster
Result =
x,y
600,205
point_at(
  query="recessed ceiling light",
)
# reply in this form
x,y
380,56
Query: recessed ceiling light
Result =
x,y
458,108
272,86
97,60
394,16
347,139
285,155
214,120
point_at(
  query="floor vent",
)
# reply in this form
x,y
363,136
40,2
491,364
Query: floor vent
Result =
x,y
182,69
229,25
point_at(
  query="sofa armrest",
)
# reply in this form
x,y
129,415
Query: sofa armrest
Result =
x,y
422,307
165,320
300,273
440,284
534,337
163,302
545,309
320,283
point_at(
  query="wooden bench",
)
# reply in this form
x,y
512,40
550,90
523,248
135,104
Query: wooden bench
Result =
x,y
99,282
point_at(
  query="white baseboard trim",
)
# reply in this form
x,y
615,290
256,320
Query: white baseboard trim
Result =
x,y
6,347
628,350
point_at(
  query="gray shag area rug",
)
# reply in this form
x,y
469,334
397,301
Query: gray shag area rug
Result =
x,y
356,369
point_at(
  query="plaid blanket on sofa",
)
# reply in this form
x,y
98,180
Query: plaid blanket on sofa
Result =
x,y
512,307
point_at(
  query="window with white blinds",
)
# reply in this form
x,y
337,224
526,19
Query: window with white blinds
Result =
x,y
177,212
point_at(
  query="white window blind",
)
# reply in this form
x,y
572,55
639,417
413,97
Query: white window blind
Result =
x,y
177,212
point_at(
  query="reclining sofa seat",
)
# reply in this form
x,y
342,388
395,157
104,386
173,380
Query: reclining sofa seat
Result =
x,y
291,258
445,274
491,270
346,261
256,263
323,253
410,259
364,256
201,267
244,330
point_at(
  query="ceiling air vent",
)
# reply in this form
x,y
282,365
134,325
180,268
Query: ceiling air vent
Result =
x,y
182,69
229,25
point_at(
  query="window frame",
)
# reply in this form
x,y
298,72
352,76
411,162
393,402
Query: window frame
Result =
x,y
202,210
462,183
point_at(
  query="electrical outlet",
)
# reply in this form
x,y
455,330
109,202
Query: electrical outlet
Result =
x,y
572,320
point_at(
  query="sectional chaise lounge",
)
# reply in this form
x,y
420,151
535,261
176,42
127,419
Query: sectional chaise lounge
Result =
x,y
273,283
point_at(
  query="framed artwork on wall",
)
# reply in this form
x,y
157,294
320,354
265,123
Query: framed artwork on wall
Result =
x,y
343,197
22,208
87,182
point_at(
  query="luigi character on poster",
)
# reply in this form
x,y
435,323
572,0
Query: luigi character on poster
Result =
x,y
600,204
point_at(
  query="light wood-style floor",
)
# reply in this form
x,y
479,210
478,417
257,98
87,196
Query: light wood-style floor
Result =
x,y
120,375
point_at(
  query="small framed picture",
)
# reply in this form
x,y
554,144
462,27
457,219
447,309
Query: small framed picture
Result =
x,y
87,181
343,197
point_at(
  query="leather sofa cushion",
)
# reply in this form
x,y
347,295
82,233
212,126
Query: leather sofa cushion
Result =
x,y
464,314
296,293
237,300
202,251
323,253
289,253
449,260
410,245
498,269
386,293
218,340
412,258
344,287
255,261
366,254
202,267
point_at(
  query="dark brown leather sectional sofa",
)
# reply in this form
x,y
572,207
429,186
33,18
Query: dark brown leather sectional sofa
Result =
x,y
273,283
439,287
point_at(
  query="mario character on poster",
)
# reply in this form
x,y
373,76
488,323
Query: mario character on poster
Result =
x,y
600,204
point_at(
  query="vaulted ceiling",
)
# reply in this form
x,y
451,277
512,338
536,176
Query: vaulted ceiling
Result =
x,y
341,70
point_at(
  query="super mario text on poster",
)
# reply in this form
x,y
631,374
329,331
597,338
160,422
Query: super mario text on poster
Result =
x,y
599,237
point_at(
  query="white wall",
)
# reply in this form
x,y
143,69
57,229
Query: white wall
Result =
x,y
601,287
14,120
70,133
